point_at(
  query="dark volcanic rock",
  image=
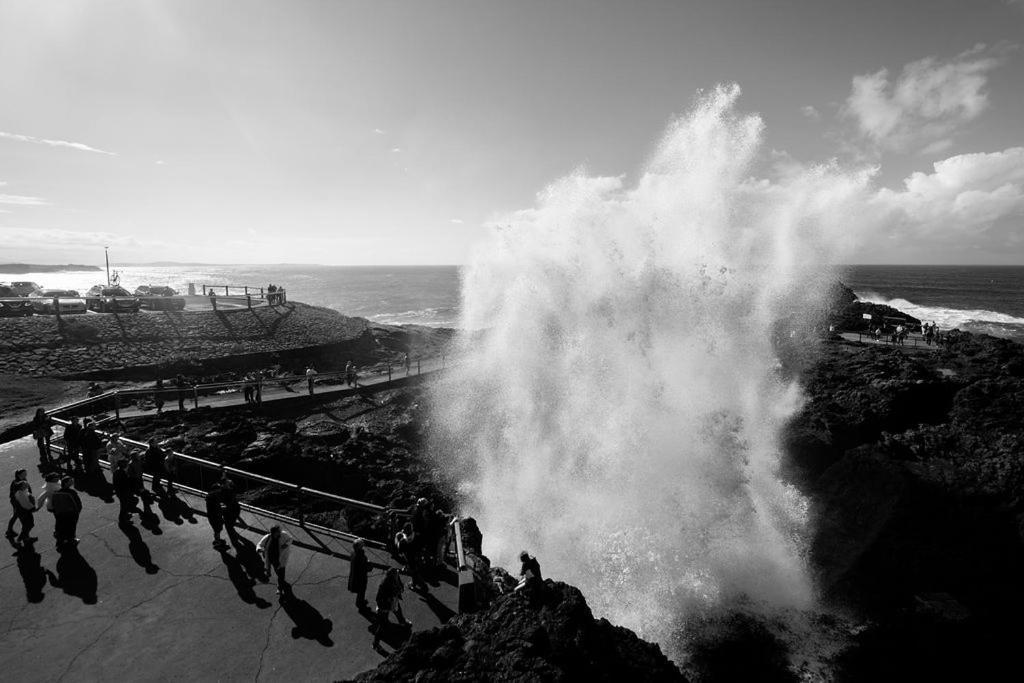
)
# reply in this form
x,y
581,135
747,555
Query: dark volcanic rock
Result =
x,y
549,638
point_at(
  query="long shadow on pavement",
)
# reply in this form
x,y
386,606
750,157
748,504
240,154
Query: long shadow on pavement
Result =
x,y
242,580
309,623
32,572
75,576
138,548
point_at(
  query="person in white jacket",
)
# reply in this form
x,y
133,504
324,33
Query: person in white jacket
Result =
x,y
275,548
51,486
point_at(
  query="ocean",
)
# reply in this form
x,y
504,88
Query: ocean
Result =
x,y
987,299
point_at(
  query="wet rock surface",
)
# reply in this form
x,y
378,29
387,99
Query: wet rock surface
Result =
x,y
548,636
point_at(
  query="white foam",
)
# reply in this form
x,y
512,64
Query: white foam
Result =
x,y
620,418
945,318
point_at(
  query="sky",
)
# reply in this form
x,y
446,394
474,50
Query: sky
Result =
x,y
380,132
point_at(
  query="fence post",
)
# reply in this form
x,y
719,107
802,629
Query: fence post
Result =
x,y
195,396
298,504
204,290
226,290
247,290
417,366
389,374
248,299
56,307
117,405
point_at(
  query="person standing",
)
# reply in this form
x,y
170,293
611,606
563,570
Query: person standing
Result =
x,y
67,506
310,374
358,572
180,382
389,599
408,363
116,451
214,515
92,445
171,464
19,476
26,507
158,395
230,507
73,444
155,457
124,489
275,548
42,430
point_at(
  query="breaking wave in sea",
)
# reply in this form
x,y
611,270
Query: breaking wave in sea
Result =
x,y
979,321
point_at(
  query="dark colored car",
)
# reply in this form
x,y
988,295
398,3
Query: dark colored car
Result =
x,y
103,299
160,298
11,305
24,288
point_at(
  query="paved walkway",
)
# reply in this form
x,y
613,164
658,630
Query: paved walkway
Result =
x,y
274,391
911,343
160,603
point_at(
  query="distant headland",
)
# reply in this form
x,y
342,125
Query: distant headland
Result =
x,y
20,268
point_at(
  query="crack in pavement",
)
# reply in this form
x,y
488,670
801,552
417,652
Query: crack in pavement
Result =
x,y
270,624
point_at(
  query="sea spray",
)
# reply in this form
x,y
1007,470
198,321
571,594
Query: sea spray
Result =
x,y
618,413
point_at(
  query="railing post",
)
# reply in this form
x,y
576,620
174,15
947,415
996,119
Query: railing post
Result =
x,y
204,290
195,396
56,307
389,373
298,505
226,290
117,405
417,366
247,290
248,299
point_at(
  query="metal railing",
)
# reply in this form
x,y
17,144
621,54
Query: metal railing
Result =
x,y
197,476
247,292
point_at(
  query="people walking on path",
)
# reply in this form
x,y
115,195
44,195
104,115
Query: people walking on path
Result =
x,y
73,444
19,476
310,375
42,430
389,599
26,507
215,516
124,489
275,548
67,506
358,572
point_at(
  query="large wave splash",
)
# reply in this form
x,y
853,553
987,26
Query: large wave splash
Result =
x,y
618,413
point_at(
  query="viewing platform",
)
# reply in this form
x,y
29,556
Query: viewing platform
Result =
x,y
158,602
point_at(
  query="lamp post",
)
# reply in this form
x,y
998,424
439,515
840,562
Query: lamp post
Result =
x,y
106,257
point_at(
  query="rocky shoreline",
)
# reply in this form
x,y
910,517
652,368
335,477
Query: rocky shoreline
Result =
x,y
912,458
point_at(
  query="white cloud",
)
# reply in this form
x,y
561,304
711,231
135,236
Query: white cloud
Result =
x,y
929,100
969,198
53,238
810,112
54,143
21,200
456,221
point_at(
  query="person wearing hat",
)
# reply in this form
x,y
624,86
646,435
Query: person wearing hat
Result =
x,y
358,571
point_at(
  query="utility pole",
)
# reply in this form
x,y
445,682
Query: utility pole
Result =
x,y
106,256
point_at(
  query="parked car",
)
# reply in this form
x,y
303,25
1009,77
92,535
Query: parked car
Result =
x,y
69,302
159,298
105,299
24,288
11,305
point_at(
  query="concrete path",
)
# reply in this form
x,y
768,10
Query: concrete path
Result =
x,y
911,343
160,603
274,391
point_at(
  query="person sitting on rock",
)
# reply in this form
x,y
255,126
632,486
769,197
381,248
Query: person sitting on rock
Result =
x,y
529,573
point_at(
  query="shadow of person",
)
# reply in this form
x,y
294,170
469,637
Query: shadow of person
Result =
x,y
393,634
250,559
170,507
309,623
32,572
74,575
440,610
95,484
241,579
138,548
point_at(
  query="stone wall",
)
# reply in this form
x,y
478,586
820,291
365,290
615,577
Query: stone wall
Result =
x,y
109,344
